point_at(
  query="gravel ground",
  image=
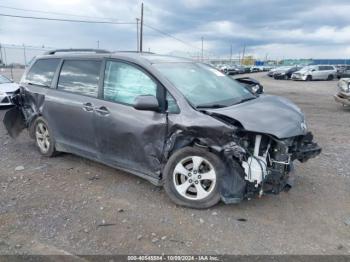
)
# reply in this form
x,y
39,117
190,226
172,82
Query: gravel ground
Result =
x,y
68,204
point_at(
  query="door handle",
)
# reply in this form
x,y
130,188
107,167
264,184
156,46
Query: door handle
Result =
x,y
102,111
88,107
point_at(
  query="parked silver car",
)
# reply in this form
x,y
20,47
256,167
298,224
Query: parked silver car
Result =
x,y
276,69
316,72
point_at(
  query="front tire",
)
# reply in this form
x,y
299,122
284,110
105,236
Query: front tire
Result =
x,y
308,78
44,139
192,177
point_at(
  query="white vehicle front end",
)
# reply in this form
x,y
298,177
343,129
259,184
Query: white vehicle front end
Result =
x,y
6,91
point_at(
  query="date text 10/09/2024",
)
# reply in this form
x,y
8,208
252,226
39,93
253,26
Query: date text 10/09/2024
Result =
x,y
173,258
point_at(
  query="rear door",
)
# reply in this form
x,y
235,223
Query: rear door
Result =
x,y
331,71
70,111
130,138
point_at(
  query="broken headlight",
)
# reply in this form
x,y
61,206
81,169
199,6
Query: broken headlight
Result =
x,y
255,88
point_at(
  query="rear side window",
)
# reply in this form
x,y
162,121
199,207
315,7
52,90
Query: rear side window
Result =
x,y
124,82
80,76
42,72
324,68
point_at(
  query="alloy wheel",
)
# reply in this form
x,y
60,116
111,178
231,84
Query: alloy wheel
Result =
x,y
42,137
194,178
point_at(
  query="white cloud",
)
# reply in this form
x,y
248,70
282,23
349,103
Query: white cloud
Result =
x,y
333,10
305,30
225,28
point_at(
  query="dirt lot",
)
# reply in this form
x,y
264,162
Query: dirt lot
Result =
x,y
71,205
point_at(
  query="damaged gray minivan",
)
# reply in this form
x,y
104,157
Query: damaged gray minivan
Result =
x,y
173,121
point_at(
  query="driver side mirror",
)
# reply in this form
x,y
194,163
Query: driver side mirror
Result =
x,y
146,103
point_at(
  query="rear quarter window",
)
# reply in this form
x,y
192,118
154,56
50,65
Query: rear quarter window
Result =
x,y
42,72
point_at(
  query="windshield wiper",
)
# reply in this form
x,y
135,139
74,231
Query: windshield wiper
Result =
x,y
245,100
36,84
211,106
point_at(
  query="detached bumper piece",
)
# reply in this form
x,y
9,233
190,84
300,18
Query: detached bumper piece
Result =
x,y
14,119
343,98
306,148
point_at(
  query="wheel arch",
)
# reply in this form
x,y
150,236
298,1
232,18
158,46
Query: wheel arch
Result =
x,y
31,121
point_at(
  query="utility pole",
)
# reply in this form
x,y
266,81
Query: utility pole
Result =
x,y
24,55
5,57
202,49
231,54
137,35
1,60
98,44
141,28
243,53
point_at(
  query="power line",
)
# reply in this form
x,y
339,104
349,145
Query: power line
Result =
x,y
68,20
112,21
54,13
97,22
171,36
58,13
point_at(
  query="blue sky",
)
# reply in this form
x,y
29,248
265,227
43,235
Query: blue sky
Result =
x,y
278,29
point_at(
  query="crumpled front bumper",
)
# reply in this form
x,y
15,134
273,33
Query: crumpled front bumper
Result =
x,y
306,148
298,77
280,171
343,98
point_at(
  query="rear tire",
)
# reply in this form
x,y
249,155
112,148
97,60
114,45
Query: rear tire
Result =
x,y
44,139
192,177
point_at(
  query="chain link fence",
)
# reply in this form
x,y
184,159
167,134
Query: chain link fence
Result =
x,y
14,59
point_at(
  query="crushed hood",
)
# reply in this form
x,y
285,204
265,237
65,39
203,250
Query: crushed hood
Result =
x,y
267,114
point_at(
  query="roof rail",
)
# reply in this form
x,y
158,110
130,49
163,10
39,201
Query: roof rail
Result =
x,y
97,51
126,51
